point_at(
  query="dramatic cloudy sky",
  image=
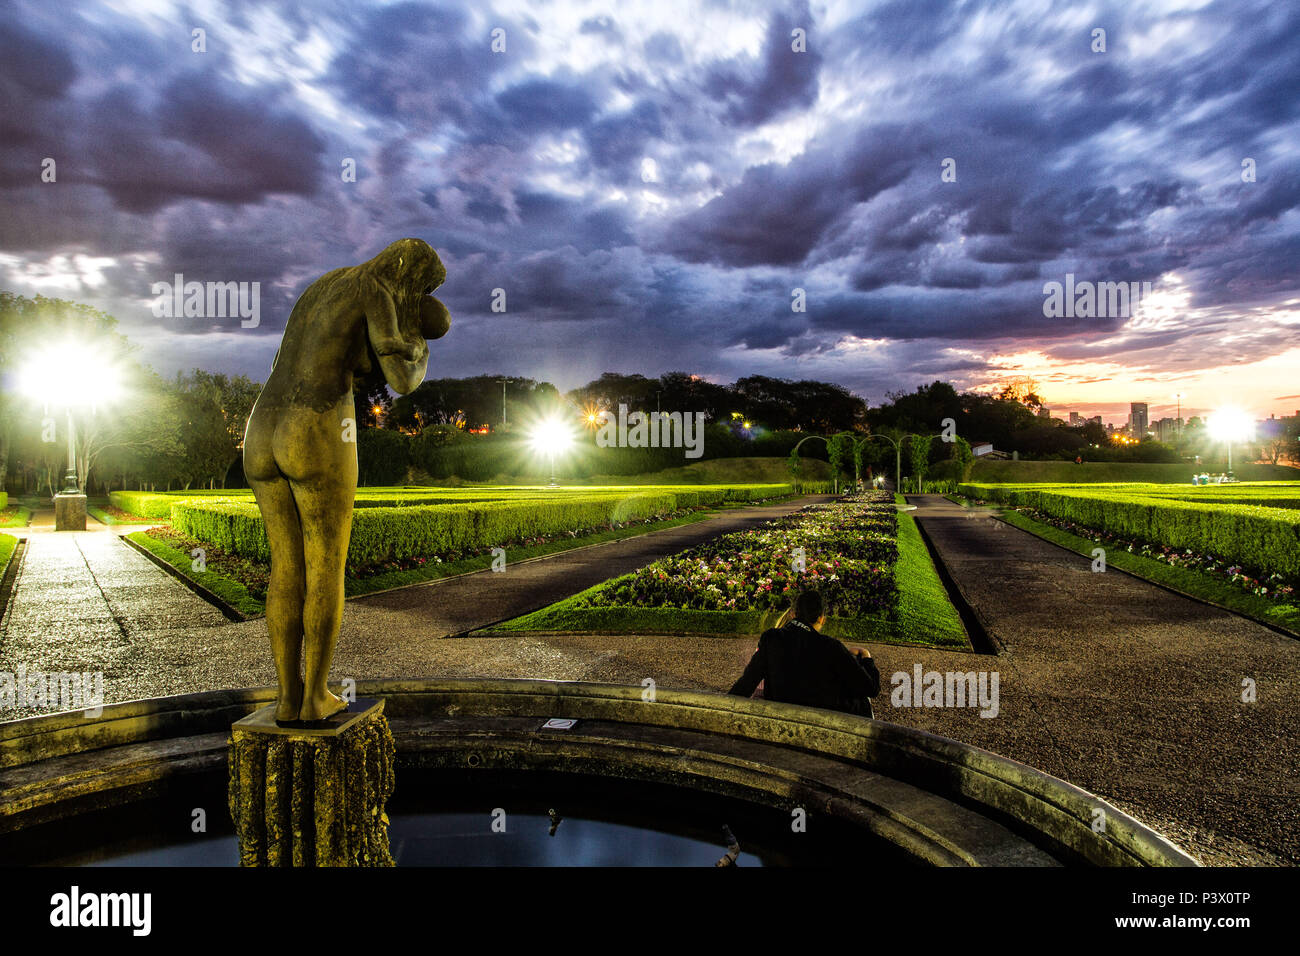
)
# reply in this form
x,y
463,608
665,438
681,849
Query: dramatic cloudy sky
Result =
x,y
650,181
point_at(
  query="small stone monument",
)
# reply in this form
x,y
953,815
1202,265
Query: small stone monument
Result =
x,y
69,511
70,503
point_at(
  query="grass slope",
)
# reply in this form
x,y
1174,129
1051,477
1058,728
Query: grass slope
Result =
x,y
725,471
1004,472
1197,584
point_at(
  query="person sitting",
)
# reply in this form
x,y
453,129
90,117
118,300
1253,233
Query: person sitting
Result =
x,y
799,665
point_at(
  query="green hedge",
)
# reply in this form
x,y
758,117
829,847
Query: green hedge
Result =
x,y
414,531
158,504
1264,539
4,500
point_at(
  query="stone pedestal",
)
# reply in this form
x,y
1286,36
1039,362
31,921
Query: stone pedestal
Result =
x,y
312,795
69,512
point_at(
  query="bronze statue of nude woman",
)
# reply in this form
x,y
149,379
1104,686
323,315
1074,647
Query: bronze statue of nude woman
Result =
x,y
300,462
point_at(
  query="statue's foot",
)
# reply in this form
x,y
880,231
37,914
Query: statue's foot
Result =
x,y
289,703
319,708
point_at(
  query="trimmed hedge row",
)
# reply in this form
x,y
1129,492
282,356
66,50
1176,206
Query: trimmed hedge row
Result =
x,y
416,531
158,504
1265,539
4,500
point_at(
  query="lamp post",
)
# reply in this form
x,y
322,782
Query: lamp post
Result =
x,y
70,486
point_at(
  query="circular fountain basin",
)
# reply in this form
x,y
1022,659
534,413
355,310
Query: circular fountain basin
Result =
x,y
796,785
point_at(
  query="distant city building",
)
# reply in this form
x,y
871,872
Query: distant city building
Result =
x,y
1075,419
1167,429
1096,419
1138,425
1044,412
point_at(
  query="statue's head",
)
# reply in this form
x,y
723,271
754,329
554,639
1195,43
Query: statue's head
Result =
x,y
401,312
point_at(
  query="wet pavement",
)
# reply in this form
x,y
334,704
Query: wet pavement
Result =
x,y
86,602
1127,690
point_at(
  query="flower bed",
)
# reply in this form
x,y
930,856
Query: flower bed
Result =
x,y
1265,539
1272,586
849,551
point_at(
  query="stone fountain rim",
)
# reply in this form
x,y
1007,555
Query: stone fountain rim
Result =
x,y
989,779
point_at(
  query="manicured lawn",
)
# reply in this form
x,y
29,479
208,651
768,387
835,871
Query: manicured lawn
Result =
x,y
8,544
15,517
1198,584
925,613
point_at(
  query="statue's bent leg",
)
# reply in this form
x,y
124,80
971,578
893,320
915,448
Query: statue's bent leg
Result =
x,y
326,511
284,595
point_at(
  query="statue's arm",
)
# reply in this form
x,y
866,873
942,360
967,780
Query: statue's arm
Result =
x,y
381,318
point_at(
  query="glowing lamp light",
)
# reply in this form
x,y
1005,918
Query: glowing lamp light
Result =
x,y
70,375
550,437
1230,425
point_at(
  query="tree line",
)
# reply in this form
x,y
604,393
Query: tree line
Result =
x,y
187,431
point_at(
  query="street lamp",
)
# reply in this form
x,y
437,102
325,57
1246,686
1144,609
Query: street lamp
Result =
x,y
72,376
550,437
1229,425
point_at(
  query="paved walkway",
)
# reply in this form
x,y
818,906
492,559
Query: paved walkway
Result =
x,y
88,602
84,601
1128,690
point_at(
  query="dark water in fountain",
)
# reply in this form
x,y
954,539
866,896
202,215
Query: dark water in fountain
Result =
x,y
441,818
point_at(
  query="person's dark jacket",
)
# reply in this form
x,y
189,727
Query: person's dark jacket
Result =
x,y
801,666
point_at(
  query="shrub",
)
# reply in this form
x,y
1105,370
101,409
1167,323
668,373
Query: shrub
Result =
x,y
158,504
383,456
229,525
